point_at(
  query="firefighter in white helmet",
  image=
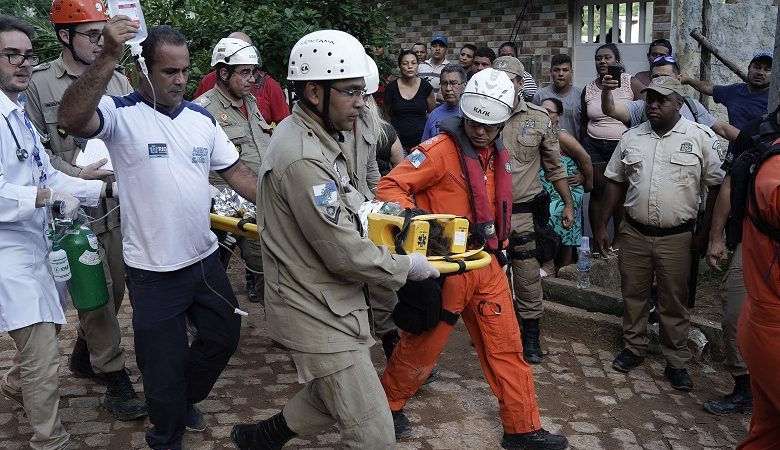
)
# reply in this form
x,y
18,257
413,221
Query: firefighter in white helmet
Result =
x,y
230,102
465,170
317,259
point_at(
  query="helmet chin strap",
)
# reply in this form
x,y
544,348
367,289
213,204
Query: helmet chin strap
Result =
x,y
69,46
324,115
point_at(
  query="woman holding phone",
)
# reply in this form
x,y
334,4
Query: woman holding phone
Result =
x,y
601,133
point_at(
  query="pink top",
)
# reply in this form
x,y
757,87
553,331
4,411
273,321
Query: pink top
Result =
x,y
601,126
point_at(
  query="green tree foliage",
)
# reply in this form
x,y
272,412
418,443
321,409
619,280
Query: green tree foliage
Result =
x,y
274,26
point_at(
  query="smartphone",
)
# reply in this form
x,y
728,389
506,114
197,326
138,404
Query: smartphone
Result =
x,y
615,72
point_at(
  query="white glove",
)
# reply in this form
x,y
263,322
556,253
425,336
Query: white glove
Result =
x,y
69,206
420,268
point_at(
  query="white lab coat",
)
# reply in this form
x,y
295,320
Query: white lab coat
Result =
x,y
28,294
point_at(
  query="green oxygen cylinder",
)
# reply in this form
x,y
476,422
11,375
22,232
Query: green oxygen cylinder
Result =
x,y
87,284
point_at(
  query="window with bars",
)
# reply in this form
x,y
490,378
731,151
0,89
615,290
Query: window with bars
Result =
x,y
601,21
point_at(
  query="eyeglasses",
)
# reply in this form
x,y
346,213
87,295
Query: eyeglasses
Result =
x,y
17,59
353,93
444,84
667,58
93,36
488,128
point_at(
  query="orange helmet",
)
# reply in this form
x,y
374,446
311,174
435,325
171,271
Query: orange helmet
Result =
x,y
78,11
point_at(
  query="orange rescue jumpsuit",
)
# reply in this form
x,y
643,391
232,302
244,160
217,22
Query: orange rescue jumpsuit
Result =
x,y
758,330
481,296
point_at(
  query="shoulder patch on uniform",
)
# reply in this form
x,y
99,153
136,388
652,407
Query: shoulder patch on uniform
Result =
x,y
325,194
718,147
42,66
202,101
416,158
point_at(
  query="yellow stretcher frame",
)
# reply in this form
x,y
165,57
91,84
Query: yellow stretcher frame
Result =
x,y
230,224
473,259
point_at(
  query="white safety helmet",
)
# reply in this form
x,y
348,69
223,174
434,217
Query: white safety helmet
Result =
x,y
235,52
327,55
372,79
489,97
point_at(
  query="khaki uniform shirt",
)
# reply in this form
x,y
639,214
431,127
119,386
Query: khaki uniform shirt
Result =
x,y
666,174
47,85
359,147
250,135
316,261
531,143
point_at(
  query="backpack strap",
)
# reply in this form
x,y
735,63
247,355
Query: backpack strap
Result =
x,y
692,106
753,212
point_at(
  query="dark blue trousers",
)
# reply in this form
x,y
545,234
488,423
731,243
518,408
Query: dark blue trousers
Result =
x,y
177,374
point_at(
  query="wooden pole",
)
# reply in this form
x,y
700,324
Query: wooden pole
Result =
x,y
701,39
774,87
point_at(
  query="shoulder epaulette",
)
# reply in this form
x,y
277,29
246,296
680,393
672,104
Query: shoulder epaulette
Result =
x,y
42,66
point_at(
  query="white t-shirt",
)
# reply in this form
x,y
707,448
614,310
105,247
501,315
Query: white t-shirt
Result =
x,y
161,162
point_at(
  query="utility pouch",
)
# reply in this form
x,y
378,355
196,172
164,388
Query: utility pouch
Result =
x,y
547,240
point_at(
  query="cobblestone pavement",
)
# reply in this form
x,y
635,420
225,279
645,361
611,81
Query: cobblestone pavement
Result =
x,y
579,395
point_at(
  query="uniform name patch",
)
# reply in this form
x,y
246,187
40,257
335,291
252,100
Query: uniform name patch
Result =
x,y
416,158
686,147
325,194
158,150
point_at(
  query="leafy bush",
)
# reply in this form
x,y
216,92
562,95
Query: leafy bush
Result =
x,y
274,26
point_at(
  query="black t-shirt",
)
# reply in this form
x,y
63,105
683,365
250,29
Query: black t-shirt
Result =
x,y
408,116
742,143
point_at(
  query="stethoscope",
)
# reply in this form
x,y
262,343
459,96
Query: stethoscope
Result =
x,y
21,154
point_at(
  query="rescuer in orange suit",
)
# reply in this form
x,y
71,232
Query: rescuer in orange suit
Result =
x,y
758,330
465,171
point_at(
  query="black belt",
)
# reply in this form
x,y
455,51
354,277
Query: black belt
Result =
x,y
524,207
648,230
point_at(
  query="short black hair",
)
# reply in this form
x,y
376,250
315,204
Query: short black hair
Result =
x,y
558,104
560,58
160,35
508,44
485,52
660,43
471,47
10,23
404,53
420,43
454,68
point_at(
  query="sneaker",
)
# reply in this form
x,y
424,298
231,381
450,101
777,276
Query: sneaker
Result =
x,y
403,429
540,439
194,420
12,394
679,379
626,360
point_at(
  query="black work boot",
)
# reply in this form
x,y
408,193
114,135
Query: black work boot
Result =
x,y
79,362
540,439
251,287
529,332
270,434
739,401
401,425
120,399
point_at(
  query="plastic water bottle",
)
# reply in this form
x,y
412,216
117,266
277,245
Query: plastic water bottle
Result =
x,y
583,263
131,9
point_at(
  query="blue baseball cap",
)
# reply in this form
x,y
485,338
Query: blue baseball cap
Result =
x,y
762,54
440,38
